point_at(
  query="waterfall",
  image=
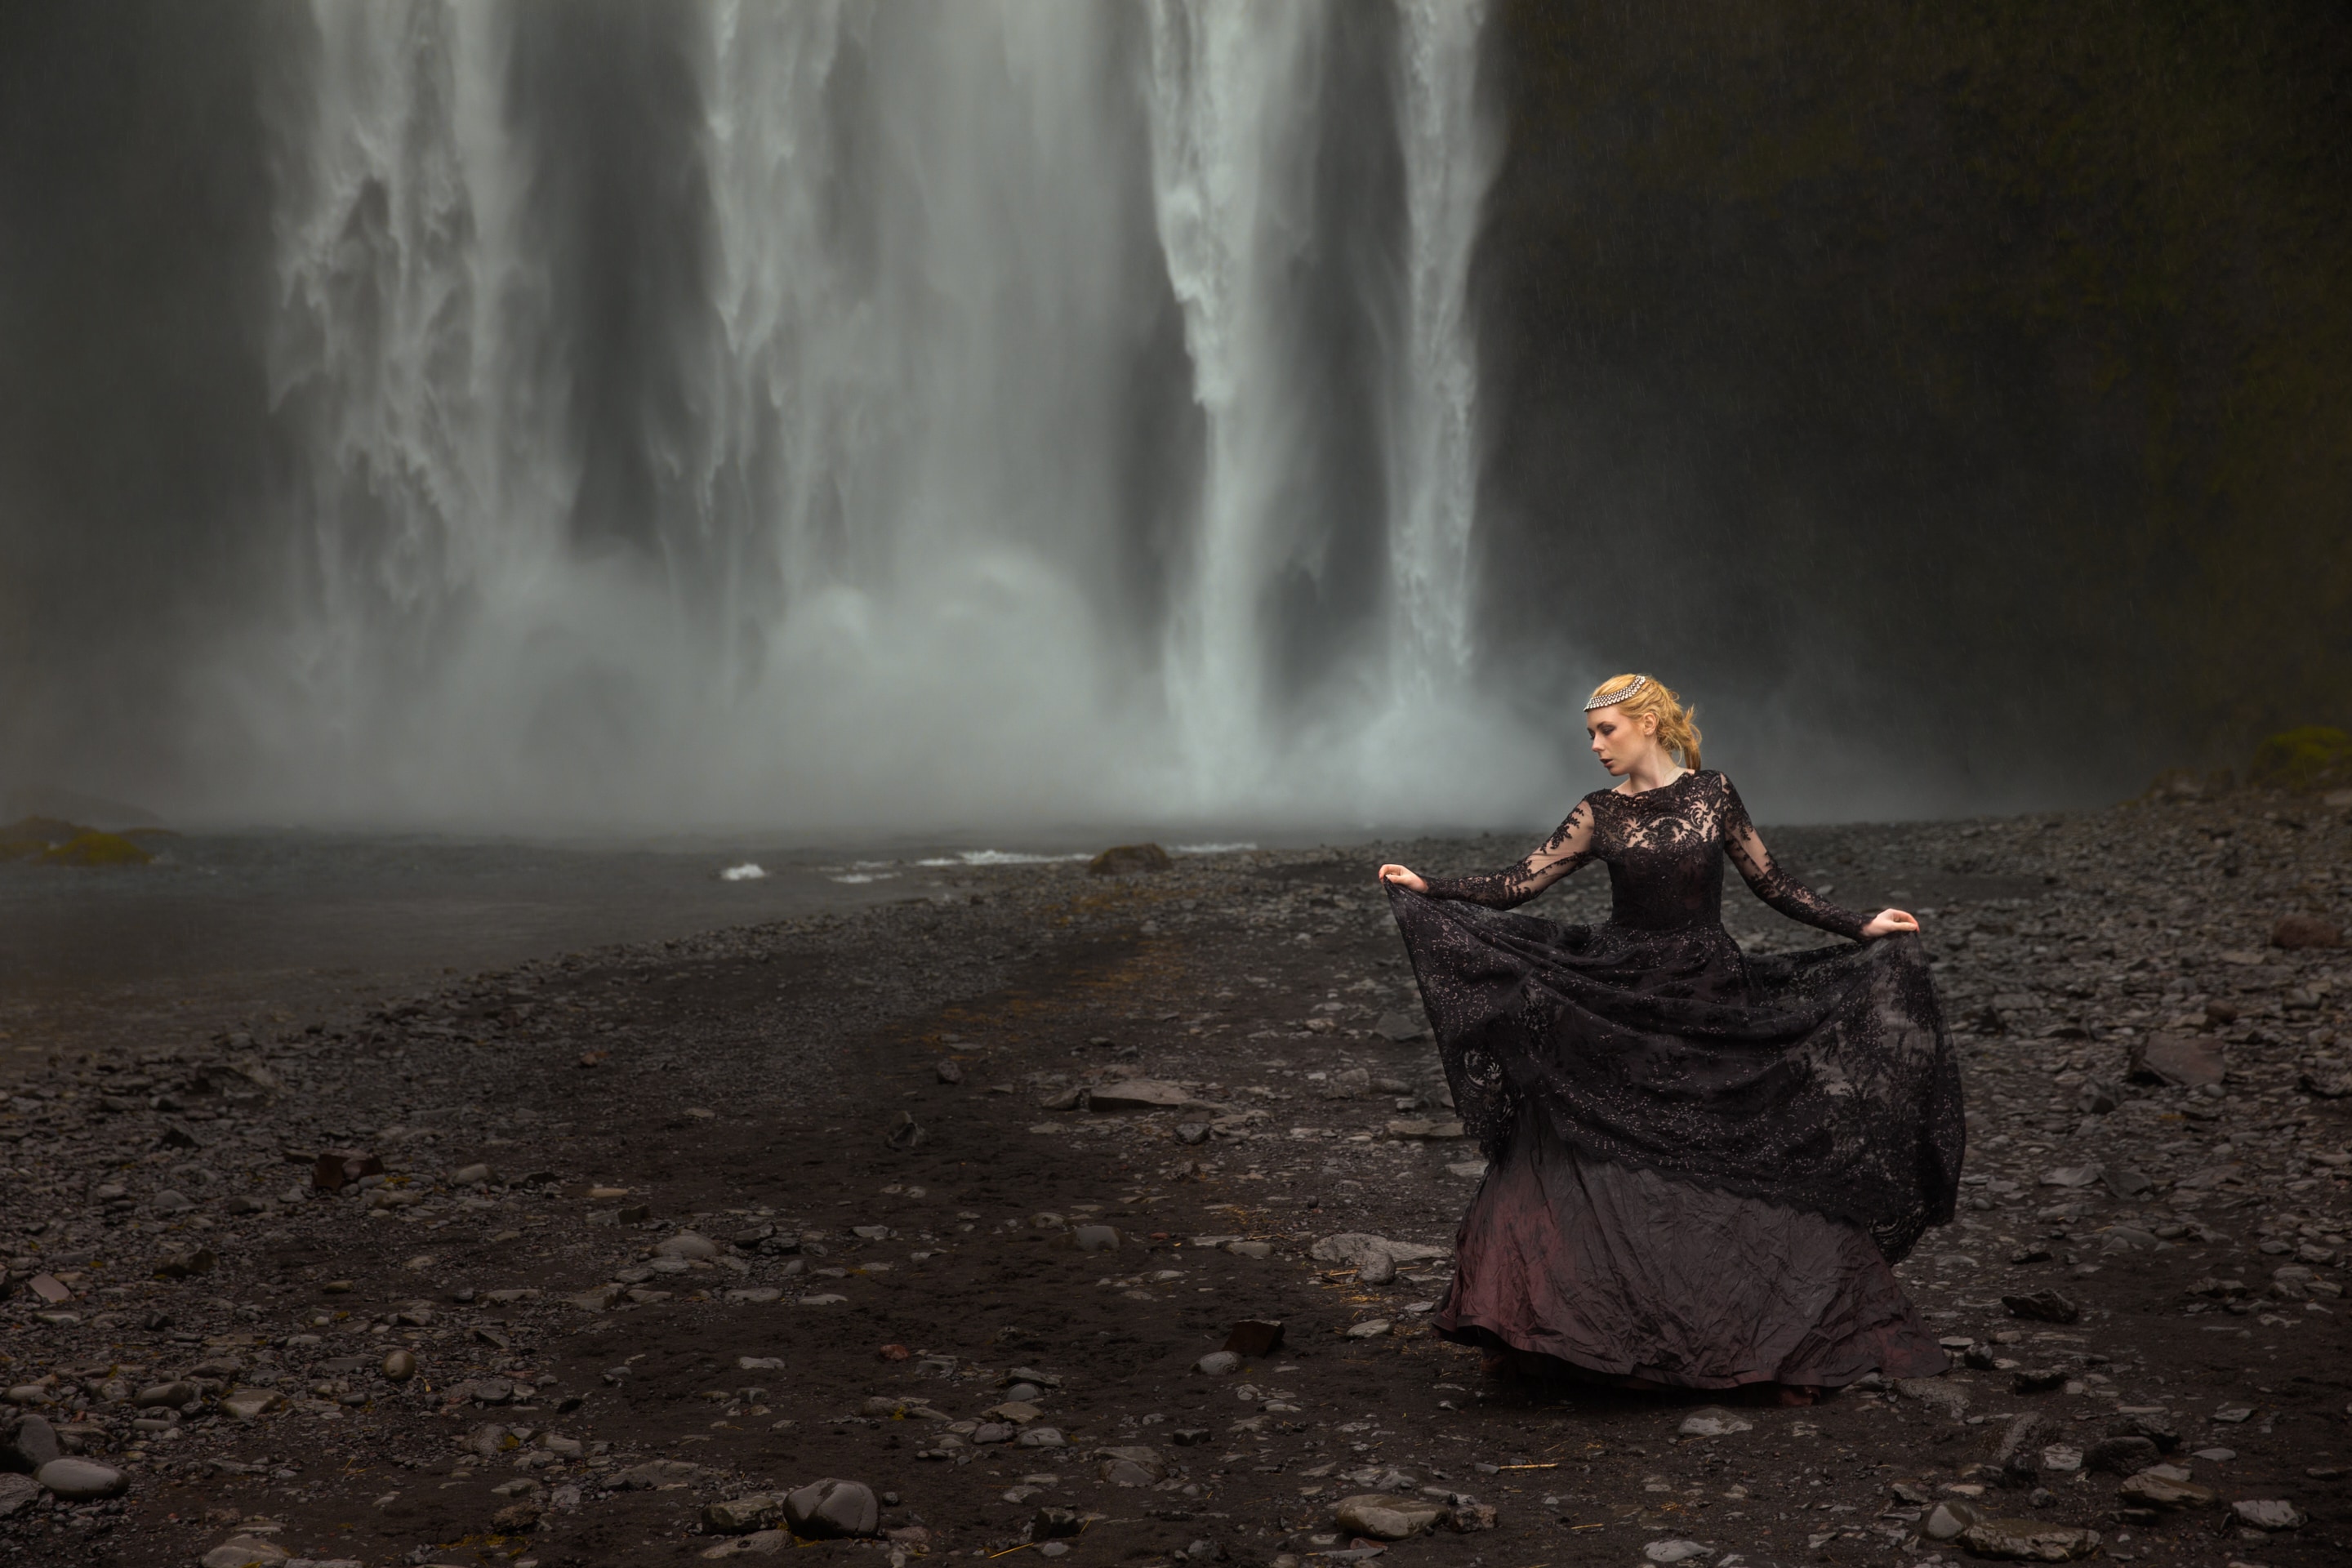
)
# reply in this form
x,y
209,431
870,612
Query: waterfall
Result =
x,y
843,414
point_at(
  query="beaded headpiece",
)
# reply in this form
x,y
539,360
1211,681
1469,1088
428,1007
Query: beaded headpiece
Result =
x,y
1614,698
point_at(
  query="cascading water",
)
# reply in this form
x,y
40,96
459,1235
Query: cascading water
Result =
x,y
842,414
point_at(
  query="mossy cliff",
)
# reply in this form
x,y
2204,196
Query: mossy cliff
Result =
x,y
1948,364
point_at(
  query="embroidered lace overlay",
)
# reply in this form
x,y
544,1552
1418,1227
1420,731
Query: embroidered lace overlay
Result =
x,y
1825,1080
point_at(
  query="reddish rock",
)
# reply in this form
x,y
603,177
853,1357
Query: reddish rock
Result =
x,y
2304,931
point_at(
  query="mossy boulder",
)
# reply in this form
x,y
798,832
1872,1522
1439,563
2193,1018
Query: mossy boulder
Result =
x,y
2312,757
50,841
1130,860
96,849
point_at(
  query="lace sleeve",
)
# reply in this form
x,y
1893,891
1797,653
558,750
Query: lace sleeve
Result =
x,y
1555,858
1771,884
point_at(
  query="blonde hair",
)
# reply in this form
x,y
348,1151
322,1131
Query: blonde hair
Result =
x,y
1676,731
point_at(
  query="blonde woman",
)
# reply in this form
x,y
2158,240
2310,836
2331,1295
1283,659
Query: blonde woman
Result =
x,y
1703,1163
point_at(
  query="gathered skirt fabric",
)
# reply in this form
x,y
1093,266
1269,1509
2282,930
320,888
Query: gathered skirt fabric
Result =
x,y
1620,1270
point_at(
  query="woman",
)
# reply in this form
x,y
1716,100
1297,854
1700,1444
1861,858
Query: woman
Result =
x,y
1703,1162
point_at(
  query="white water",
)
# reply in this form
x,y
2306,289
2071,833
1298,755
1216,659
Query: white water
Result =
x,y
1006,453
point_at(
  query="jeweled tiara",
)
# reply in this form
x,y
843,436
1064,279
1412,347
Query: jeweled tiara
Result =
x,y
1614,698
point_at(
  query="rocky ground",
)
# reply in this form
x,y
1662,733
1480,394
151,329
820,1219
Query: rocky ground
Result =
x,y
950,1200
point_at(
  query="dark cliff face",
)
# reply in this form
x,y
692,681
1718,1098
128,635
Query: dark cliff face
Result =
x,y
1929,371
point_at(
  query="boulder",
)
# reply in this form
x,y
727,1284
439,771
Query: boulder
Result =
x,y
833,1509
26,1443
1129,859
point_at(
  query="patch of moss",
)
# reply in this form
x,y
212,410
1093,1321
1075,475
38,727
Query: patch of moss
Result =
x,y
92,849
2311,757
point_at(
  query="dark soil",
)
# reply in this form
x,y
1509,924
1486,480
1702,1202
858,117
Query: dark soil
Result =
x,y
746,1085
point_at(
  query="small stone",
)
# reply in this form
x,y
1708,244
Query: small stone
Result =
x,y
687,1245
1675,1551
1386,1516
2268,1514
760,1542
1140,1094
1055,1525
185,1265
50,1289
1254,1337
833,1509
2029,1541
400,1366
605,1194
169,1203
1714,1421
245,1552
1372,1328
1042,1437
654,1474
17,1492
2042,1307
1401,1027
516,1518
2038,1379
743,1515
1133,1466
1218,1363
80,1481
1948,1518
476,1175
173,1394
2060,1459
251,1404
906,1133
1094,1237
2165,1487
1250,1249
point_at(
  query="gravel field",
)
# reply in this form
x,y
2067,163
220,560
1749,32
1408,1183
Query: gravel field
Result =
x,y
611,1258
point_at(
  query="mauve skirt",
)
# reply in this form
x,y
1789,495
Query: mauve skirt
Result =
x,y
1622,1271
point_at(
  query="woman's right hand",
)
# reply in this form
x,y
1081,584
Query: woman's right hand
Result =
x,y
1403,877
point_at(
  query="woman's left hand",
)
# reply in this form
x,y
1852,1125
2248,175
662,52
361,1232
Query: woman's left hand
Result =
x,y
1887,923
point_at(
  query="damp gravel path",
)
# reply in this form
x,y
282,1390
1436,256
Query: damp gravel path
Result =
x,y
950,1198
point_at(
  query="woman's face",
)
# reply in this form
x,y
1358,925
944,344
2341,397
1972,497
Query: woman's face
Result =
x,y
1622,740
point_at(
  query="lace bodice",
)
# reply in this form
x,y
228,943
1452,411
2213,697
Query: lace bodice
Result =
x,y
1665,848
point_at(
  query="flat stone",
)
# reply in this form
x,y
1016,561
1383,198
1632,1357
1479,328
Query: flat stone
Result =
x,y
1354,1248
2037,1378
833,1509
688,1245
49,1287
655,1473
1250,1249
245,1552
1041,1437
471,1176
2165,1486
1132,1465
173,1394
1675,1551
1253,1336
2184,1060
743,1515
1714,1421
1430,1129
1386,1516
2029,1541
168,1202
824,1299
1141,1094
755,1295
2268,1514
1401,1027
1371,1329
81,1481
251,1404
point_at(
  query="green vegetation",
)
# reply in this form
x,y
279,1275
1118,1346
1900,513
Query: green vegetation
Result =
x,y
2313,757
47,841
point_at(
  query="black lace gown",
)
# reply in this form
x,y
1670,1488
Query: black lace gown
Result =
x,y
1703,1163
